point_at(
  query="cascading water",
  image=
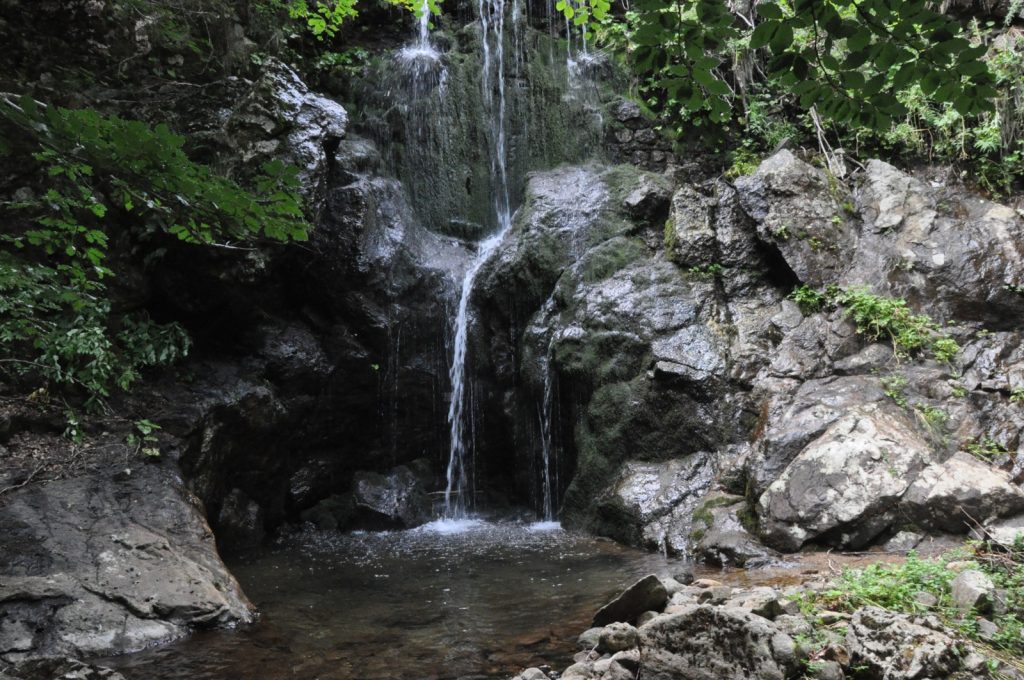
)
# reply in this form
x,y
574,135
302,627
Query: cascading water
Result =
x,y
549,454
457,495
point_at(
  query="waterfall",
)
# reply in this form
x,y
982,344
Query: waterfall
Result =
x,y
549,454
492,28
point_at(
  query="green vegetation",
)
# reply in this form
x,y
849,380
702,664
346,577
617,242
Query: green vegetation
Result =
x,y
864,75
92,182
879,317
706,271
893,386
985,449
898,587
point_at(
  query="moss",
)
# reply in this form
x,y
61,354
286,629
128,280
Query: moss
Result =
x,y
610,257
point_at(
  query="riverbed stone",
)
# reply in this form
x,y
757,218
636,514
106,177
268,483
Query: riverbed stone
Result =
x,y
646,594
900,646
107,564
704,642
397,499
616,637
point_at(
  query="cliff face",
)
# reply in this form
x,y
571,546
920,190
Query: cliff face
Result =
x,y
637,363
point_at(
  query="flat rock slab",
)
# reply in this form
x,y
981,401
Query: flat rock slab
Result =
x,y
647,594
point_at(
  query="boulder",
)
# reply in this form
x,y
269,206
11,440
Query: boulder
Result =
x,y
704,642
646,594
616,637
1008,533
240,521
397,499
972,590
948,496
800,210
106,564
901,647
845,486
721,533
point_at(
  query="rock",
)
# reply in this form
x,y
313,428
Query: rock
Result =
x,y
646,594
533,674
951,252
926,599
1008,533
898,646
281,118
760,600
616,637
721,536
333,513
578,671
240,521
987,630
826,670
972,590
903,541
845,486
798,209
652,503
93,566
649,200
943,492
396,500
704,642
646,616
65,668
590,638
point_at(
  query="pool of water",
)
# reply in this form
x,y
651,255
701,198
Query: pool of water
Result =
x,y
449,600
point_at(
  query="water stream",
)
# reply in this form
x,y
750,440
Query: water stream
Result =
x,y
458,495
466,599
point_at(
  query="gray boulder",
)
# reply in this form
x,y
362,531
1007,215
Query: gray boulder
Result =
x,y
721,533
901,647
704,642
972,590
845,486
397,499
948,496
100,565
648,593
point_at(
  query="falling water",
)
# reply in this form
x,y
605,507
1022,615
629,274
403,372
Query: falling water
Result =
x,y
492,25
549,456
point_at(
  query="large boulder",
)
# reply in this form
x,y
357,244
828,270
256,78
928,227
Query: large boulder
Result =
x,y
397,499
103,564
845,486
951,495
900,647
723,532
705,642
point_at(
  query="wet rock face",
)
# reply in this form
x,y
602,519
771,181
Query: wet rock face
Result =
x,y
846,484
100,565
680,371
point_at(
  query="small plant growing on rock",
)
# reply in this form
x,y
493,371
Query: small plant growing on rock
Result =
x,y
1017,395
893,386
985,449
808,299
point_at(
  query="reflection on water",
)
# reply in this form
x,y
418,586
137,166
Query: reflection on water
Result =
x,y
464,599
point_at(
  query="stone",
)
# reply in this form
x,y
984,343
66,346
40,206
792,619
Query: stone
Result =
x,y
590,638
760,600
900,647
395,500
646,616
903,542
972,590
987,630
947,496
721,536
240,521
1008,533
103,567
578,671
533,674
648,593
281,117
616,637
706,642
798,211
926,599
846,484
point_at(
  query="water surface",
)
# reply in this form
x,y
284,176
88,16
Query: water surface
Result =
x,y
449,600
